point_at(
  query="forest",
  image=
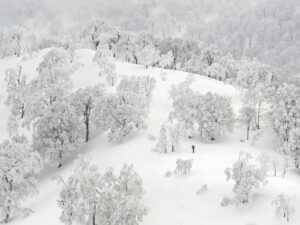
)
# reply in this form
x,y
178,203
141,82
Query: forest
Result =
x,y
149,112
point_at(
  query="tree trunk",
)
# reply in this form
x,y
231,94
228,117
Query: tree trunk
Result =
x,y
60,156
87,130
4,53
296,163
22,111
7,216
94,216
135,59
86,117
6,219
248,131
174,63
258,115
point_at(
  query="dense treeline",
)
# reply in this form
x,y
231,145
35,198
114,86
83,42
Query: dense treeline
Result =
x,y
266,29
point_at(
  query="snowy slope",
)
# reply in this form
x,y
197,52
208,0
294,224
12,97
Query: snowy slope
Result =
x,y
173,200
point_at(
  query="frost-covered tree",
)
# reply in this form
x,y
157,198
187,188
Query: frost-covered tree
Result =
x,y
16,91
129,182
107,68
138,85
124,48
169,136
176,130
165,60
88,197
58,132
148,56
251,73
4,47
210,55
276,162
173,45
163,143
212,113
246,118
229,65
257,98
279,163
16,83
121,115
78,196
183,167
16,36
293,146
52,84
246,177
16,40
19,167
96,33
111,74
257,81
185,103
216,71
102,55
285,118
194,65
285,163
83,102
214,116
283,205
125,111
11,41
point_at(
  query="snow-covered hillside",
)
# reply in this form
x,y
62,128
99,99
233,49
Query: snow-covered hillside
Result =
x,y
172,200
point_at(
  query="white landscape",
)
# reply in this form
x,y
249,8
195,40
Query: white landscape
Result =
x,y
101,124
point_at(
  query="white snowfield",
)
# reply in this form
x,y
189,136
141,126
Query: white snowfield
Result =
x,y
172,200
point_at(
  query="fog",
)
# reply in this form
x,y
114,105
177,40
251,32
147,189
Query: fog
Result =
x,y
266,29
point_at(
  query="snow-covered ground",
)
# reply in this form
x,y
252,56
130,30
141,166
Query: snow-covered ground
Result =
x,y
173,200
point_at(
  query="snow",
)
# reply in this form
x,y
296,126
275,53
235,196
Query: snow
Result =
x,y
171,200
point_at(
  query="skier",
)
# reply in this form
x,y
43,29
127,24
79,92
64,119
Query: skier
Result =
x,y
193,148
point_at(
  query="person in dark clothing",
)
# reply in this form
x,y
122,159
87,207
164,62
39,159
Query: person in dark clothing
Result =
x,y
193,148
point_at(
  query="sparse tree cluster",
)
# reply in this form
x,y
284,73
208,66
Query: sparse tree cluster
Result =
x,y
89,197
246,177
257,82
183,167
285,119
107,68
211,113
169,136
56,126
125,111
283,205
19,167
